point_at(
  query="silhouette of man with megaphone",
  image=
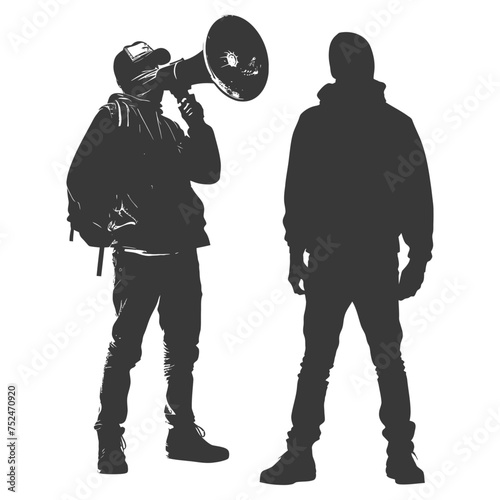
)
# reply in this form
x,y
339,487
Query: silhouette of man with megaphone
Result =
x,y
133,192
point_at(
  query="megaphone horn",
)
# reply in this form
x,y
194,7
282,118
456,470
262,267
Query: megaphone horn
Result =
x,y
234,58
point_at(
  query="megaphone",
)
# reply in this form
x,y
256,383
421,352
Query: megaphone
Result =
x,y
234,58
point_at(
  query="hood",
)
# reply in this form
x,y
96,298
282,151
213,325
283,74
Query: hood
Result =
x,y
125,107
359,94
135,101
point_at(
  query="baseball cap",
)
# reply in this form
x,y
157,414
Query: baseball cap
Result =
x,y
133,59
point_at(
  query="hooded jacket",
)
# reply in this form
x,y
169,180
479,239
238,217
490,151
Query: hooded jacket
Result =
x,y
131,178
358,176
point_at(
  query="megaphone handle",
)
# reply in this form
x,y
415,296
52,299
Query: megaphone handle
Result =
x,y
180,94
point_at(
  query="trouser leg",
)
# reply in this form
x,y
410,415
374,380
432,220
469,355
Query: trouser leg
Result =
x,y
180,319
134,297
378,310
326,304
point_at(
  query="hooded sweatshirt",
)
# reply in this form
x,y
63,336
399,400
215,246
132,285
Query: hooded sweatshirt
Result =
x,y
358,176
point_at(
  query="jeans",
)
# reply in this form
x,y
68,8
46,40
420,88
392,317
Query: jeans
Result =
x,y
172,282
370,283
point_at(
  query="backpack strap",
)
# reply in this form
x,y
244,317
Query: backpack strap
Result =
x,y
100,261
123,113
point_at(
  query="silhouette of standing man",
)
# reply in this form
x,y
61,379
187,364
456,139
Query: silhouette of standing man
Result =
x,y
128,193
357,179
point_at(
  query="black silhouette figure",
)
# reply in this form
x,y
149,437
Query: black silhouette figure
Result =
x,y
127,187
357,179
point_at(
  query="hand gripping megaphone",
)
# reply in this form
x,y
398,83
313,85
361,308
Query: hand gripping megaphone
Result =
x,y
234,58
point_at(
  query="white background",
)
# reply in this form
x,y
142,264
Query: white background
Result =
x,y
432,56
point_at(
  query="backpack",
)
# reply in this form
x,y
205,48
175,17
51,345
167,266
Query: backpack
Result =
x,y
90,181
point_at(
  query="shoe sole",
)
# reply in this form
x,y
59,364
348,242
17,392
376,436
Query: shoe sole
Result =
x,y
300,480
400,481
192,459
108,473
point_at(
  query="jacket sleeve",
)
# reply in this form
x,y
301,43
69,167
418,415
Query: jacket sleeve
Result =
x,y
419,211
295,219
200,153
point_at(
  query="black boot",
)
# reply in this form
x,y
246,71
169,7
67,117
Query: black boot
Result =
x,y
110,458
185,442
403,469
400,464
296,464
